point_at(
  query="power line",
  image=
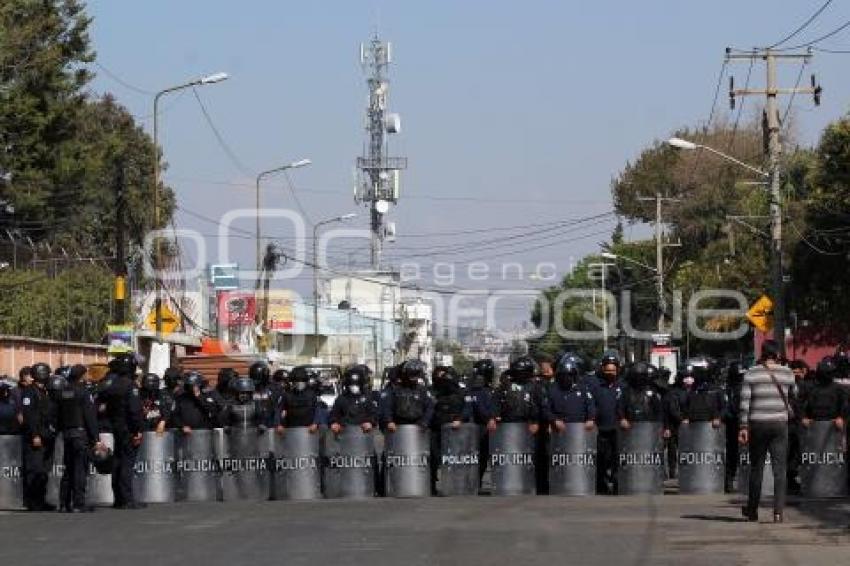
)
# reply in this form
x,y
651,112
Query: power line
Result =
x,y
221,142
811,43
803,26
121,81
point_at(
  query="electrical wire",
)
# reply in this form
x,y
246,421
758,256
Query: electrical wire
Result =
x,y
803,26
220,139
812,246
811,43
121,81
783,123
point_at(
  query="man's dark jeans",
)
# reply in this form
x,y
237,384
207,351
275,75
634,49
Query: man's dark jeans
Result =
x,y
764,438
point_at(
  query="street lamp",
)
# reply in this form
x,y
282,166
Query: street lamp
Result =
x,y
686,145
293,165
316,227
207,80
776,276
609,255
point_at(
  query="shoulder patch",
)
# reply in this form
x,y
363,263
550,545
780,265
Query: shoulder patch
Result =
x,y
26,401
589,395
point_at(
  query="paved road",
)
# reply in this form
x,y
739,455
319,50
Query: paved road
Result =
x,y
440,531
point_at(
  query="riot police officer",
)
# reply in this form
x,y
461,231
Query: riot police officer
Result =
x,y
36,438
354,406
673,401
173,380
734,382
267,402
639,402
704,401
156,407
195,408
226,379
826,400
301,404
451,406
124,410
9,409
569,399
483,410
606,388
243,410
409,402
78,424
519,400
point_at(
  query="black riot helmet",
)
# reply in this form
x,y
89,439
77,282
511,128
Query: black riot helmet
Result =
x,y
303,378
639,374
41,373
522,369
243,388
412,371
76,373
63,371
5,388
172,378
827,370
280,376
484,369
567,373
226,376
260,373
101,459
842,361
610,357
55,385
150,382
191,380
704,370
355,379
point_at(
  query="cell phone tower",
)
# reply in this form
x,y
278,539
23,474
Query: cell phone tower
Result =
x,y
378,173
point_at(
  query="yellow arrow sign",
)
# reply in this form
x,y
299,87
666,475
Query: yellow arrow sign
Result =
x,y
170,321
760,314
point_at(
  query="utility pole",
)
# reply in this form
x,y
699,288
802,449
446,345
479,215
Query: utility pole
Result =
x,y
773,128
120,259
659,256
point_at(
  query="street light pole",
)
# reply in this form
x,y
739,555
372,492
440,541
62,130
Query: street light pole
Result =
x,y
293,165
316,227
210,79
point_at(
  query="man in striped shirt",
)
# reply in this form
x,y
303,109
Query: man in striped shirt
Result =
x,y
764,426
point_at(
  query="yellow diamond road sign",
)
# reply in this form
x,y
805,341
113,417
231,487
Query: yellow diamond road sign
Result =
x,y
760,314
170,322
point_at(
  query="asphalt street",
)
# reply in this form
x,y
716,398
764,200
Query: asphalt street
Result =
x,y
481,530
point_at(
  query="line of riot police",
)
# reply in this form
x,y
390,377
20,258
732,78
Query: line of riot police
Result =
x,y
544,426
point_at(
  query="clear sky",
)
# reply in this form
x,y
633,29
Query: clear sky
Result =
x,y
513,113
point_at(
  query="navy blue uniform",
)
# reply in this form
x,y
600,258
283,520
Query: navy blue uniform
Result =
x,y
407,405
301,408
483,411
573,405
78,424
35,424
124,410
606,395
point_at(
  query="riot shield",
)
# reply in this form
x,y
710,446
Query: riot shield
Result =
x,y
155,478
11,478
99,486
640,466
767,483
244,466
295,464
459,460
198,470
54,473
572,461
349,464
407,462
512,460
824,465
702,458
